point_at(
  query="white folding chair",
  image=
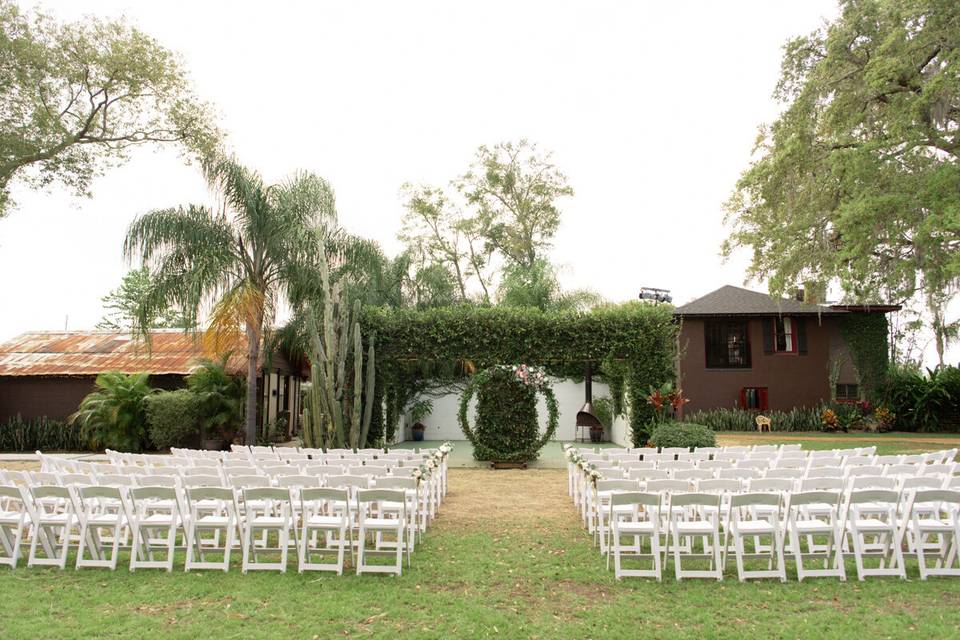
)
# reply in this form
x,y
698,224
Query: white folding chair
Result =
x,y
267,509
881,524
414,504
54,514
603,491
101,509
14,521
373,520
636,515
750,516
936,513
326,516
155,520
213,510
691,516
816,513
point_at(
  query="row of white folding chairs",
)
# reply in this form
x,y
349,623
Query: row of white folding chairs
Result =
x,y
147,520
837,456
226,468
734,481
579,482
900,463
238,477
872,523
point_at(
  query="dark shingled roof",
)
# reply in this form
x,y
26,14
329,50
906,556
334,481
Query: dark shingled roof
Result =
x,y
736,301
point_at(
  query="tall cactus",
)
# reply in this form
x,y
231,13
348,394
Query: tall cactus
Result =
x,y
334,412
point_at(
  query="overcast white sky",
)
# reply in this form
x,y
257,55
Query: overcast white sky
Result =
x,y
651,109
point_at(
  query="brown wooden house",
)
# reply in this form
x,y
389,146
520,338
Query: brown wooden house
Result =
x,y
49,373
741,348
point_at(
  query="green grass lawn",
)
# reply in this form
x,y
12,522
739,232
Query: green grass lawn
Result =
x,y
506,558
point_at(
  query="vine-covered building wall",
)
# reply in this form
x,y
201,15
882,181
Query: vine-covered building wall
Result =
x,y
744,349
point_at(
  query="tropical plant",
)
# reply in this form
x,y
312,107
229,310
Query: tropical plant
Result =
x,y
220,395
924,402
114,415
41,434
173,418
240,259
682,434
78,96
420,410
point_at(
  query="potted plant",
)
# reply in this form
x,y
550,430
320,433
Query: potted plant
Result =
x,y
420,410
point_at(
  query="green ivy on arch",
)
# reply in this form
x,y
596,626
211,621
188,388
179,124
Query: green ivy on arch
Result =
x,y
507,428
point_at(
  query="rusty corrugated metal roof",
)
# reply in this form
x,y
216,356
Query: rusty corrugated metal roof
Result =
x,y
91,352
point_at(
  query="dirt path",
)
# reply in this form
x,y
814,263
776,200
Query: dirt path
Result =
x,y
481,499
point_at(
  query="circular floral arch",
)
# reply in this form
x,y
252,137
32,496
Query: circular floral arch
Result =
x,y
515,443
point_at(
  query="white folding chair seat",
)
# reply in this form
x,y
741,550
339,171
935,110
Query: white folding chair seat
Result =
x,y
790,463
793,475
155,520
674,465
372,519
213,510
902,470
946,469
756,515
648,474
637,464
765,448
694,474
803,522
866,470
738,474
636,515
824,472
716,464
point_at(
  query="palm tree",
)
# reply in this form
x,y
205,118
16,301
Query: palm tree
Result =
x,y
238,260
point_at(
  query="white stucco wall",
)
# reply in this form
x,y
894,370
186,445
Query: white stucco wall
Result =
x,y
442,423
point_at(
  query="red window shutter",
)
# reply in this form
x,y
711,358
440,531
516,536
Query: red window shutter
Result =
x,y
743,397
762,392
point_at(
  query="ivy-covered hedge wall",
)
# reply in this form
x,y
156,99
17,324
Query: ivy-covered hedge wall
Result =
x,y
866,336
633,345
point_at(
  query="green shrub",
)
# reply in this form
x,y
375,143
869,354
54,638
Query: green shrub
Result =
x,y
173,418
682,434
41,434
221,396
113,416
